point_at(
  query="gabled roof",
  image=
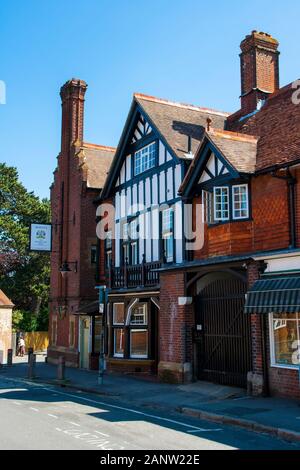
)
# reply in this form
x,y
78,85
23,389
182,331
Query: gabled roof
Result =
x,y
277,124
174,122
177,121
237,150
96,161
5,301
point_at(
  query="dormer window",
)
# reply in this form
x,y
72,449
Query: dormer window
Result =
x,y
144,159
225,203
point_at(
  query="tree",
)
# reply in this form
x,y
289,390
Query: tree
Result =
x,y
24,275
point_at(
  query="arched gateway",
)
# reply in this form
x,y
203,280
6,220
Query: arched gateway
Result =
x,y
222,330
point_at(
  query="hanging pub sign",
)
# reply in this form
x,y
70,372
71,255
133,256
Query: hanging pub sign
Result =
x,y
40,237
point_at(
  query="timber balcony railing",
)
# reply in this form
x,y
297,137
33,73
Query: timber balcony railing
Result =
x,y
138,275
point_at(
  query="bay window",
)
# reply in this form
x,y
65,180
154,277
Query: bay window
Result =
x,y
221,203
285,339
240,201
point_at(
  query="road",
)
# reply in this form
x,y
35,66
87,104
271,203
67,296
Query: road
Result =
x,y
35,416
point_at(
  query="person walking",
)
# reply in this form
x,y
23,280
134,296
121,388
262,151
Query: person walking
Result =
x,y
21,346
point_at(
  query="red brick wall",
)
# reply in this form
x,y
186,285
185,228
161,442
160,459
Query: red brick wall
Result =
x,y
175,327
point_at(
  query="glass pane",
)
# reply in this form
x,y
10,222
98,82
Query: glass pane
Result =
x,y
285,340
139,315
118,342
145,159
168,247
138,343
134,253
118,314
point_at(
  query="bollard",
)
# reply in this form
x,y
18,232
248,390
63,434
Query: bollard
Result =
x,y
30,353
31,366
9,357
61,368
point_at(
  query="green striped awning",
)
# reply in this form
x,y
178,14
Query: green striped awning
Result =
x,y
277,295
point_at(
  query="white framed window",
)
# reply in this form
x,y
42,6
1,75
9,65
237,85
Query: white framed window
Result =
x,y
139,343
167,234
118,313
240,204
139,315
118,342
221,203
144,159
207,207
285,339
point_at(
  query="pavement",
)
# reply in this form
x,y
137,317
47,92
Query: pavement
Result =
x,y
222,405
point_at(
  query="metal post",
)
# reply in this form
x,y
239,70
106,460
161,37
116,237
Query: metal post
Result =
x,y
30,353
31,366
61,365
9,357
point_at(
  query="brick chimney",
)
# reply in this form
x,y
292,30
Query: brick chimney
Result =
x,y
259,69
72,97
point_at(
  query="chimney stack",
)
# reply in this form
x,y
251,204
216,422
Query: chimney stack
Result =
x,y
72,99
259,69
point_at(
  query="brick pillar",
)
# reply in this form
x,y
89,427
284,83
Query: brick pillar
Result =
x,y
175,330
256,377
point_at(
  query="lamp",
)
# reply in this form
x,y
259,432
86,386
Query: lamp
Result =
x,y
65,269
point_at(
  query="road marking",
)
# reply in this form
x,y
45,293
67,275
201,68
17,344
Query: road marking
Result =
x,y
203,430
130,410
17,403
102,434
52,416
122,408
74,424
34,409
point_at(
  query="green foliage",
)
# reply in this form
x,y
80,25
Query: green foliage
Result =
x,y
24,275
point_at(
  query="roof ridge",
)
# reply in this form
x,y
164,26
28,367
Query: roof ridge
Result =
x,y
97,146
180,105
233,135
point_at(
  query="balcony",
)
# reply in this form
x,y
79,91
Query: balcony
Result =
x,y
130,276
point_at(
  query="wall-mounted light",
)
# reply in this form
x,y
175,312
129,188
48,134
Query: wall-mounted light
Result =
x,y
65,268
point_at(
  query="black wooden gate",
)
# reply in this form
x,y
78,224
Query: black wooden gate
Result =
x,y
223,333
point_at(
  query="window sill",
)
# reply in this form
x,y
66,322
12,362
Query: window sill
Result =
x,y
285,366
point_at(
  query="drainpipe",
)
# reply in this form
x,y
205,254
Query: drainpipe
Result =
x,y
291,183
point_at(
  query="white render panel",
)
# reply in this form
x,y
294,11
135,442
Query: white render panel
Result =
x,y
141,223
117,244
123,204
211,164
162,184
169,157
148,192
154,189
134,198
141,195
155,233
122,174
128,168
177,178
148,235
161,153
170,194
204,177
117,205
128,201
178,231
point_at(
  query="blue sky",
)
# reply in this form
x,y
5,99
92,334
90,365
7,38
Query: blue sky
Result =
x,y
185,50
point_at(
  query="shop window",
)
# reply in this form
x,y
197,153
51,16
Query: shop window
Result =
x,y
138,331
285,339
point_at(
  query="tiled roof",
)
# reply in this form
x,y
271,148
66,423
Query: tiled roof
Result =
x,y
239,149
177,121
96,160
278,126
4,300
